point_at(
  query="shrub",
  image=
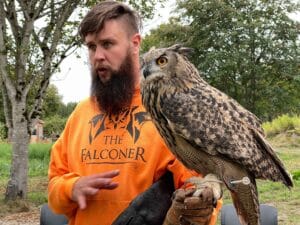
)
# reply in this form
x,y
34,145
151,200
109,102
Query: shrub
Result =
x,y
282,124
54,125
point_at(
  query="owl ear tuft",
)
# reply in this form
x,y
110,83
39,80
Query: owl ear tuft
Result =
x,y
181,49
152,48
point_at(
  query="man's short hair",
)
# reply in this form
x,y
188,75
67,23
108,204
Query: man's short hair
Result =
x,y
94,20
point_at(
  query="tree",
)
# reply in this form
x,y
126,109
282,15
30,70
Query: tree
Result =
x,y
248,49
52,102
66,110
35,37
29,53
166,35
54,125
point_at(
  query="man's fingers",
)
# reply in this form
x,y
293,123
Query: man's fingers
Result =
x,y
197,212
179,195
81,200
90,185
107,174
90,191
198,203
103,183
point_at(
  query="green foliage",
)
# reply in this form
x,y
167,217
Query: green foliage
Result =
x,y
296,175
248,49
65,110
166,35
54,125
2,131
282,124
52,102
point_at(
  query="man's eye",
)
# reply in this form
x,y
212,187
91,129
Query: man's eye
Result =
x,y
91,47
107,44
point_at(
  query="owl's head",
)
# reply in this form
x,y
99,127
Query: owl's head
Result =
x,y
162,62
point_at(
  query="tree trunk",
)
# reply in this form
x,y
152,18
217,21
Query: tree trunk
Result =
x,y
17,185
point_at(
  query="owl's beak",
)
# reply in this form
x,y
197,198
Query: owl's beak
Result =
x,y
145,71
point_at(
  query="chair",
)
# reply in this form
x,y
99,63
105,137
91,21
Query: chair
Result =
x,y
50,218
268,215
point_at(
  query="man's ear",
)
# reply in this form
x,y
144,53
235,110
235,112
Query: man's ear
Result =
x,y
136,43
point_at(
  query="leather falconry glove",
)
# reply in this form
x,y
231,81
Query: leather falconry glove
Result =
x,y
194,205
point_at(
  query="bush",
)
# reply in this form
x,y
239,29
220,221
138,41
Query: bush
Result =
x,y
282,124
54,125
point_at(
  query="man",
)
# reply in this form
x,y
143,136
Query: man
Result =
x,y
109,151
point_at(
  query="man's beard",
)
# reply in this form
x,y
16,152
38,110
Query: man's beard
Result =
x,y
115,94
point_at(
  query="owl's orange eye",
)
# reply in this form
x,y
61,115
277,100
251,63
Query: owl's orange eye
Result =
x,y
161,61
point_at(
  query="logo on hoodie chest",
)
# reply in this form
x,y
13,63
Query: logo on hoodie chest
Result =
x,y
111,131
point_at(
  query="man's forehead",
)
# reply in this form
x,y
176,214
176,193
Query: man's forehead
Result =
x,y
112,29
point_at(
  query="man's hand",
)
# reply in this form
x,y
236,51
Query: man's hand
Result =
x,y
194,205
187,209
90,185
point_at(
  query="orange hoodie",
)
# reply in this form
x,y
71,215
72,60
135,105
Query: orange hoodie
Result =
x,y
93,142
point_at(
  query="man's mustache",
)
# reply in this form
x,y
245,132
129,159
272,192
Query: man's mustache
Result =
x,y
101,67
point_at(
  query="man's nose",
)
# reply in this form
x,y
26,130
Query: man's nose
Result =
x,y
99,54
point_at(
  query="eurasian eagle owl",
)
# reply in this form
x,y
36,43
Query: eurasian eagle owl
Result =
x,y
207,130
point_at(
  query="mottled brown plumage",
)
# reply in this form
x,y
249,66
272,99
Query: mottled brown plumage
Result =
x,y
207,130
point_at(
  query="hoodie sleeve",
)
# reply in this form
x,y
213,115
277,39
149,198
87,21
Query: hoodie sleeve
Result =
x,y
61,180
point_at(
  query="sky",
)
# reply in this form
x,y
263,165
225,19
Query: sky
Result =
x,y
73,80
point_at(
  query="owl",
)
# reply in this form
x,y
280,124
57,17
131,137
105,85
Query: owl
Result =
x,y
208,131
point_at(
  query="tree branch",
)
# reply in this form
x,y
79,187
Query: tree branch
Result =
x,y
12,17
9,87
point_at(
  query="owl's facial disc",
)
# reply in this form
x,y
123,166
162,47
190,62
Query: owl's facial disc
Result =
x,y
154,66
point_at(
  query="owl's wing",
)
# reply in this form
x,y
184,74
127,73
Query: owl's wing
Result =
x,y
208,126
233,108
207,122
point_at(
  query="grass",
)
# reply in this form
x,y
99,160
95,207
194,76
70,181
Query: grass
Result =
x,y
286,201
39,155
